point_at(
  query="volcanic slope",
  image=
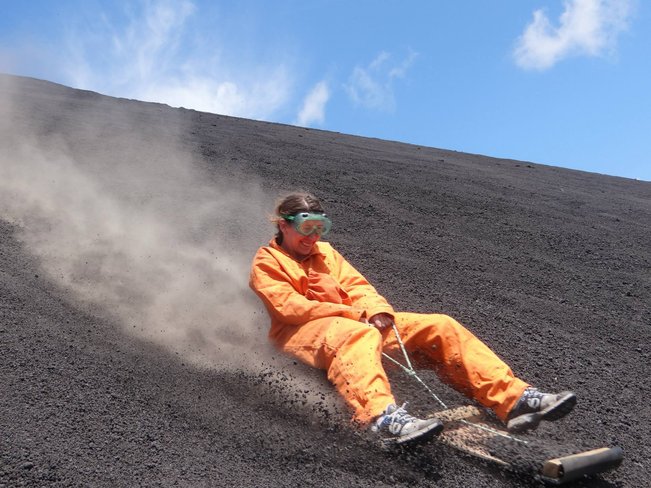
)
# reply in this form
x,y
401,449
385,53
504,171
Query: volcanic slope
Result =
x,y
550,267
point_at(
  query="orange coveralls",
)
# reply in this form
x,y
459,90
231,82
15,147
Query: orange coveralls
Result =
x,y
317,308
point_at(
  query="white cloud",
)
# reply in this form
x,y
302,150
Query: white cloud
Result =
x,y
109,55
154,57
365,90
251,95
313,110
400,70
586,27
372,87
376,64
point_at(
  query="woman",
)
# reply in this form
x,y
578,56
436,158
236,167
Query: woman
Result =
x,y
326,314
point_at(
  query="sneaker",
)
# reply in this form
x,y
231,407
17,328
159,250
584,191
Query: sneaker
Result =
x,y
396,426
534,406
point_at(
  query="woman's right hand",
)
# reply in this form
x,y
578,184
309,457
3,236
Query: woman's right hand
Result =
x,y
380,321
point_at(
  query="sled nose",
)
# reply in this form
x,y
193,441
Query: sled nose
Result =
x,y
562,470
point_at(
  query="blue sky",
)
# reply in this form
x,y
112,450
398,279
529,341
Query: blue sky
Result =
x,y
564,83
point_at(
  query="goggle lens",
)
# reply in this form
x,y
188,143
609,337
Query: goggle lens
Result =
x,y
307,223
310,227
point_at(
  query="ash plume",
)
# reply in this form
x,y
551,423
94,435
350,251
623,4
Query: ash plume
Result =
x,y
118,211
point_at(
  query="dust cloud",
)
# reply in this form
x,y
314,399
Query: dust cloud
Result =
x,y
119,212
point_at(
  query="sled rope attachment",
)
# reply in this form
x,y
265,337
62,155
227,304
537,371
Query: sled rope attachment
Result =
x,y
410,371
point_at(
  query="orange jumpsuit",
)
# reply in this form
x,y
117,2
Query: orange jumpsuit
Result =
x,y
317,308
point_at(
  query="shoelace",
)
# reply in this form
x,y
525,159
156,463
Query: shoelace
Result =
x,y
532,399
398,416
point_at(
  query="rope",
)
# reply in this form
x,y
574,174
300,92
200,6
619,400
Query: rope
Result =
x,y
410,371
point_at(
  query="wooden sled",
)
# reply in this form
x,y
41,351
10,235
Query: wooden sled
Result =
x,y
468,430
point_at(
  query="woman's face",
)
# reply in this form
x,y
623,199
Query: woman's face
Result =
x,y
296,244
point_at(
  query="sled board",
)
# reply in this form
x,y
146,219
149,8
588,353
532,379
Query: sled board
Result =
x,y
470,431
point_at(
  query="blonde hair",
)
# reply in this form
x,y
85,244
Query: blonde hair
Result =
x,y
292,204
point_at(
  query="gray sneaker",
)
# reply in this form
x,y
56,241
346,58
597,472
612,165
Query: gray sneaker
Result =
x,y
534,406
396,426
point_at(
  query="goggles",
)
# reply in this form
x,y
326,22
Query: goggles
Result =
x,y
307,223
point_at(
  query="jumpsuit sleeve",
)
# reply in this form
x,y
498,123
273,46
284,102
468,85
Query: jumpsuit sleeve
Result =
x,y
284,302
362,293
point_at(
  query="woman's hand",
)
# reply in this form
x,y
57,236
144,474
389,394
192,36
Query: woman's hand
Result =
x,y
381,321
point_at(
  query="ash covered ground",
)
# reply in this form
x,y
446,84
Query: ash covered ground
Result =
x,y
133,354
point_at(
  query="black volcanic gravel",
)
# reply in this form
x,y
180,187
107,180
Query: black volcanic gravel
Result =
x,y
551,267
